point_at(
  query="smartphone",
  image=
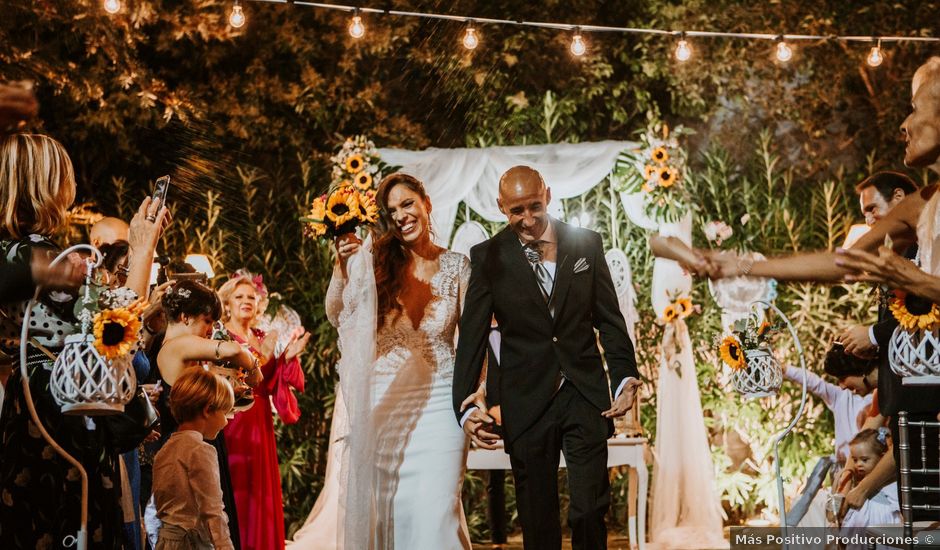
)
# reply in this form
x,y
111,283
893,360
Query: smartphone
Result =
x,y
160,188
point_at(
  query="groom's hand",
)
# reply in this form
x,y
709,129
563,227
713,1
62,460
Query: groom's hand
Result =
x,y
624,401
474,428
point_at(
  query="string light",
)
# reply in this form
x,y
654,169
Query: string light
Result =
x,y
784,52
356,28
112,6
470,38
683,50
876,58
237,17
578,47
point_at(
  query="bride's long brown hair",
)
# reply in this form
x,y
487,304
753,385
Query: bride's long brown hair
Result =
x,y
390,255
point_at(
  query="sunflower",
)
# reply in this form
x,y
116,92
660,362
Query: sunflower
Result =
x,y
684,306
648,186
671,313
667,176
363,180
315,229
354,163
318,209
732,354
343,206
649,172
368,209
914,312
116,331
660,155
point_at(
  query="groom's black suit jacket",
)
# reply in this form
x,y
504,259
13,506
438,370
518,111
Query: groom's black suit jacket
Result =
x,y
536,349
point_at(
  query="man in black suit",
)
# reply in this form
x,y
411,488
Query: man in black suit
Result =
x,y
548,286
878,194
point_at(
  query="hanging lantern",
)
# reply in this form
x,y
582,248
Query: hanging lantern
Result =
x,y
761,377
83,382
915,355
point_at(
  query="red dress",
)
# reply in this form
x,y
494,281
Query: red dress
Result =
x,y
252,453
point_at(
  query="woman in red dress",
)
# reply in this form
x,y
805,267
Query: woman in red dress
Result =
x,y
252,452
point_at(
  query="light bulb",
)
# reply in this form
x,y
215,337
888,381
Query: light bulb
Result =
x,y
683,50
237,17
112,6
578,47
784,52
875,58
356,28
470,39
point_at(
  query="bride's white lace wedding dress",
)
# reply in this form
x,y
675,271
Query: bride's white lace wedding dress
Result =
x,y
417,453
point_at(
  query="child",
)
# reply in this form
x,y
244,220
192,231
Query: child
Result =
x,y
882,509
186,486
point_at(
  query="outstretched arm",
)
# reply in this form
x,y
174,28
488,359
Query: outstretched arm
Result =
x,y
900,224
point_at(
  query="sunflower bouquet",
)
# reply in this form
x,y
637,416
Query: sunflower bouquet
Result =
x,y
350,202
680,309
656,169
115,316
746,334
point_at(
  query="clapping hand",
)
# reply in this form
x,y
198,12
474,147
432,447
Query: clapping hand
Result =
x,y
268,345
298,342
885,268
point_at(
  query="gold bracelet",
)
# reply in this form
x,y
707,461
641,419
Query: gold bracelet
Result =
x,y
217,354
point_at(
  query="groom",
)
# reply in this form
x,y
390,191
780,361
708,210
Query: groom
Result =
x,y
548,285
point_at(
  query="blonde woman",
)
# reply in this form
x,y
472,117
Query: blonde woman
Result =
x,y
40,491
252,451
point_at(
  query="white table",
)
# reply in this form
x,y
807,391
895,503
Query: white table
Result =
x,y
621,451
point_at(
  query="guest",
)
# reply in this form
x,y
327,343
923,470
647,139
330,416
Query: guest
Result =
x,y
849,401
881,508
108,230
252,451
187,489
41,490
191,309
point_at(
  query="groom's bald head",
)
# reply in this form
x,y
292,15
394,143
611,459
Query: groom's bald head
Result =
x,y
524,198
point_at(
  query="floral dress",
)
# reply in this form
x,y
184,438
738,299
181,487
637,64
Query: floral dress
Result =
x,y
40,492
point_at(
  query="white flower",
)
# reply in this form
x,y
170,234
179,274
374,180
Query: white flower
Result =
x,y
745,218
717,231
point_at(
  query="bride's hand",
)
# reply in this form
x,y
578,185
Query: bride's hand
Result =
x,y
477,400
346,245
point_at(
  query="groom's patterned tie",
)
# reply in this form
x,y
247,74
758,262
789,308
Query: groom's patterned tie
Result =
x,y
533,253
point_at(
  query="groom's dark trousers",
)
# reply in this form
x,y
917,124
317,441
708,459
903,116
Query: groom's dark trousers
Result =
x,y
544,342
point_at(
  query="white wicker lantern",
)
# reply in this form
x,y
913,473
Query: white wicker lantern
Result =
x,y
761,377
85,383
915,355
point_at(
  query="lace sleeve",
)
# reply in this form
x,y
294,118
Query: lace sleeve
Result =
x,y
334,297
463,278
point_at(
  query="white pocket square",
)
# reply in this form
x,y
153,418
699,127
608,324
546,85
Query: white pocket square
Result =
x,y
581,265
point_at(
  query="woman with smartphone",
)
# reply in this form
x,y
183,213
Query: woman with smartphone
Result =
x,y
41,491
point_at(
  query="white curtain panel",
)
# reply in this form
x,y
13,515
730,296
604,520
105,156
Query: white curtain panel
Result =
x,y
472,175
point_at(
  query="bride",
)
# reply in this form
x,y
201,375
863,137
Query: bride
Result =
x,y
397,308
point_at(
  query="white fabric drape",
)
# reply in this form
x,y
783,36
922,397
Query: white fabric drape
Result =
x,y
686,512
472,175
